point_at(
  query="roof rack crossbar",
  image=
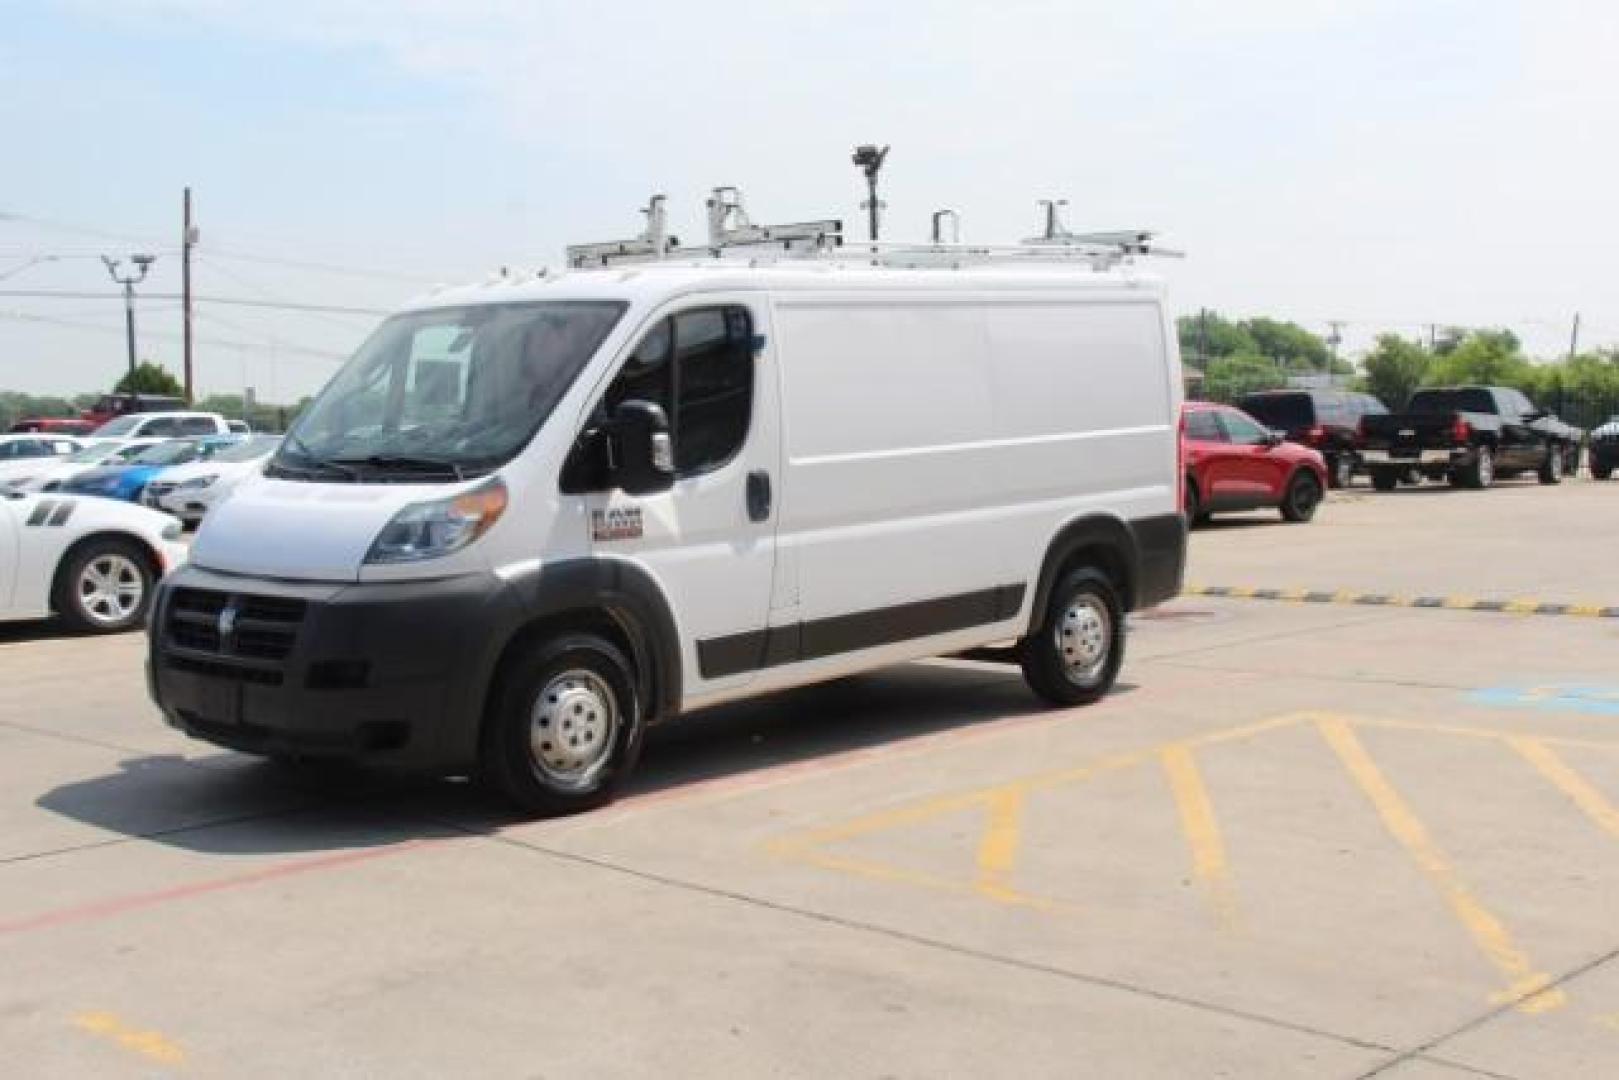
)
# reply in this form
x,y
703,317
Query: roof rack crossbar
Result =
x,y
732,232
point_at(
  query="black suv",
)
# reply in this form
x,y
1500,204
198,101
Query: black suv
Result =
x,y
1324,420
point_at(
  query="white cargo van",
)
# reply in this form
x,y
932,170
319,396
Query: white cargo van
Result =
x,y
530,518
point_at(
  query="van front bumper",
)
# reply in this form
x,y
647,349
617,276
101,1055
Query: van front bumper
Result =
x,y
392,673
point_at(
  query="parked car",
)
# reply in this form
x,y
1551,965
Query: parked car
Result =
x,y
1233,462
111,406
91,562
127,480
563,522
1604,449
55,425
1469,434
49,474
190,491
1327,421
165,425
20,453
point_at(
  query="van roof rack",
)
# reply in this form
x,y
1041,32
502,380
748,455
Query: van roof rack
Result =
x,y
732,233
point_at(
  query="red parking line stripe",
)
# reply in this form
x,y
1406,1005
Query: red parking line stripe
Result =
x,y
106,909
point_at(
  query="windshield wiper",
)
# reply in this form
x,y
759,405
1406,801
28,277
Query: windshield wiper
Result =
x,y
410,463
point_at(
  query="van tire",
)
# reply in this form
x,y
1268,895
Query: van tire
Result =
x,y
548,687
1085,616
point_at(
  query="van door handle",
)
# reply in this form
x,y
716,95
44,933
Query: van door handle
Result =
x,y
758,495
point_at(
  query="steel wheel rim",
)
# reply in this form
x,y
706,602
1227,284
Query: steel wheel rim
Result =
x,y
111,589
1346,472
573,724
1556,465
1486,467
1084,638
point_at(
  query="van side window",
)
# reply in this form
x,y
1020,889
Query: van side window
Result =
x,y
698,367
164,427
196,425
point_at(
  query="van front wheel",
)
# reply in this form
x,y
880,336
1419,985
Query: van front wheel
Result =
x,y
566,727
1073,657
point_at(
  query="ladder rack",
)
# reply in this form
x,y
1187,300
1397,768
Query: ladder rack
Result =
x,y
733,235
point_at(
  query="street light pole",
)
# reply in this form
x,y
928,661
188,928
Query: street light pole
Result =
x,y
143,263
869,160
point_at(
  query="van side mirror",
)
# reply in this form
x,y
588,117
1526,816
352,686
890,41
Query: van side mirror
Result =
x,y
645,461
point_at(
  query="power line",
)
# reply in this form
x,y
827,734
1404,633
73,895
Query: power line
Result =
x,y
323,267
266,294
248,256
103,328
235,301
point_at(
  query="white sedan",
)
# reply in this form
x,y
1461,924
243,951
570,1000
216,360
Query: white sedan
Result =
x,y
49,474
189,491
91,562
21,454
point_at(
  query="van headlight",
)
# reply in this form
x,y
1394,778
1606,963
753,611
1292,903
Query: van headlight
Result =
x,y
428,530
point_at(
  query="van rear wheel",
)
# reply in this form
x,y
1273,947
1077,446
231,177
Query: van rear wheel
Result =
x,y
566,728
1073,657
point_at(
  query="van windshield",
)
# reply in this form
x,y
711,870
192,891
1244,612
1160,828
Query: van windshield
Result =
x,y
445,394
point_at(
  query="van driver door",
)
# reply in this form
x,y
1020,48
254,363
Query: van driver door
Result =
x,y
709,541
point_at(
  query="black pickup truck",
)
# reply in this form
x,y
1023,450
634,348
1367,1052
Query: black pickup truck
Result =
x,y
1470,434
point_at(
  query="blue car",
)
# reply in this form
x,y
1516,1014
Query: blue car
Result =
x,y
128,480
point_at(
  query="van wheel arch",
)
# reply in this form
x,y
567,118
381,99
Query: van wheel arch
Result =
x,y
615,599
1103,543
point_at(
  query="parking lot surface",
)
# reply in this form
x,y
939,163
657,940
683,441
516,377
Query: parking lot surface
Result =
x,y
1299,840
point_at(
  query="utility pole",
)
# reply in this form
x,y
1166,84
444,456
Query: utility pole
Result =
x,y
188,239
143,263
869,160
1433,336
1574,338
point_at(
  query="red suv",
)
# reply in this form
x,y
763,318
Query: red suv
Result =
x,y
1233,462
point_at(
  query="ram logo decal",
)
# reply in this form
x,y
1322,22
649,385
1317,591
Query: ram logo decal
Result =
x,y
621,523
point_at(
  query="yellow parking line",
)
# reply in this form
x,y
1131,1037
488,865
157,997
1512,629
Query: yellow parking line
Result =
x,y
1202,830
1529,991
1481,733
997,851
1546,762
150,1045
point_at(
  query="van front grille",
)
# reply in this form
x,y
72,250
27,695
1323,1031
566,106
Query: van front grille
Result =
x,y
241,625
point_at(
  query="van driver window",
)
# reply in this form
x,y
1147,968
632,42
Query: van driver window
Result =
x,y
698,367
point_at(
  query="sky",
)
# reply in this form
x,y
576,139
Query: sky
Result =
x,y
1385,163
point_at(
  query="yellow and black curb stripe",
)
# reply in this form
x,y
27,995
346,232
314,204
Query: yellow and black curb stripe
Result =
x,y
1361,599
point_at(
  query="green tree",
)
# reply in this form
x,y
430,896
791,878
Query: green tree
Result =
x,y
15,406
1219,335
1289,344
1484,358
149,378
1394,368
1229,377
